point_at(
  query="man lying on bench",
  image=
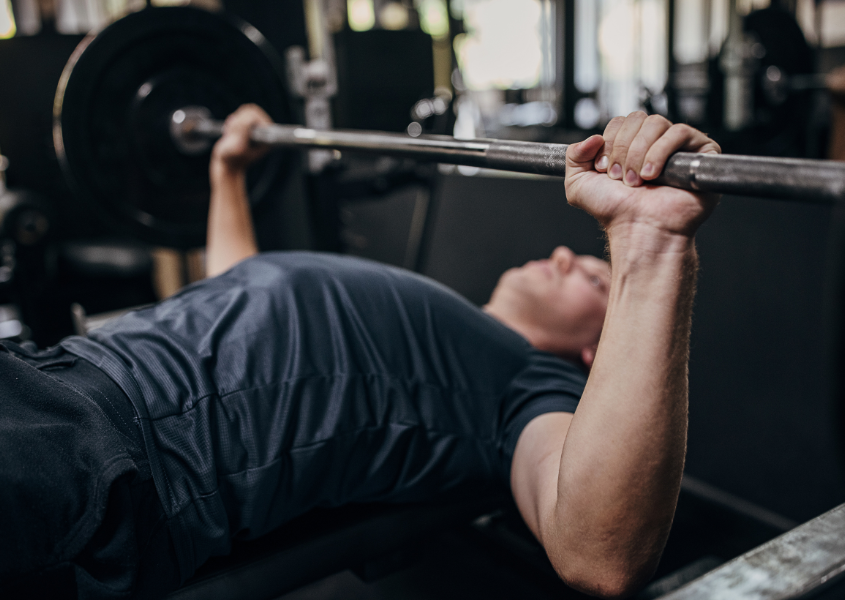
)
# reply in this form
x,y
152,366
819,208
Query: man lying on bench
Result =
x,y
288,381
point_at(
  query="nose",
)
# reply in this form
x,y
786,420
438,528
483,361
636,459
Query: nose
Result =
x,y
563,258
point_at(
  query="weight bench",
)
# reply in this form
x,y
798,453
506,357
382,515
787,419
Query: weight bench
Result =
x,y
373,540
807,562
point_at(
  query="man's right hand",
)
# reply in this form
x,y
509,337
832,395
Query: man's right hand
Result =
x,y
608,176
234,152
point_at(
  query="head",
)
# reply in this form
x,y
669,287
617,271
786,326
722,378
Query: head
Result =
x,y
558,304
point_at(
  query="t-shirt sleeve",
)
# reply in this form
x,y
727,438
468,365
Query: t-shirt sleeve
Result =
x,y
546,384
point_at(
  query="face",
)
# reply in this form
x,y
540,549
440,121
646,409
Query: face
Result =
x,y
563,298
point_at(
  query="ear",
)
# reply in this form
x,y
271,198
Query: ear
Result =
x,y
588,355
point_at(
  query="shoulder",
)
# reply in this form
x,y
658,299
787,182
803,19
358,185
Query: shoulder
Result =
x,y
338,268
545,368
556,386
536,465
545,385
368,286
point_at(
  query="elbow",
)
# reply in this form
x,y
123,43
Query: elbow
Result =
x,y
603,564
605,579
606,587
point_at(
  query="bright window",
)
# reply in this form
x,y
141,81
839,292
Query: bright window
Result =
x,y
7,20
502,48
361,13
620,53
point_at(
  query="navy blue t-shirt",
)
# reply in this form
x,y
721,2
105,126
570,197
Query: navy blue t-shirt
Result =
x,y
298,380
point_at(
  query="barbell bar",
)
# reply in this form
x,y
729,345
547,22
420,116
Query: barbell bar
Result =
x,y
803,180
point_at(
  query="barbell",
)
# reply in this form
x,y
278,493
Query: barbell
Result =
x,y
806,180
140,103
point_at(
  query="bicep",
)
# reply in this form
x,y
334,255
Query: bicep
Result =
x,y
536,467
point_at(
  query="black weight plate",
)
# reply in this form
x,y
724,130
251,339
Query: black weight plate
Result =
x,y
112,111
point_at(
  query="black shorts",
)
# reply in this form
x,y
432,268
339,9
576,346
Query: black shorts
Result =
x,y
130,551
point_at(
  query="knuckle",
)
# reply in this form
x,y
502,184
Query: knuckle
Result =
x,y
621,147
634,157
640,142
658,120
633,154
637,114
613,125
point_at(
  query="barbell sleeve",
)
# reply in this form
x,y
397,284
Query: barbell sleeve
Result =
x,y
804,180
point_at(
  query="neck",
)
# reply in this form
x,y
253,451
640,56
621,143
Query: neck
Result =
x,y
535,336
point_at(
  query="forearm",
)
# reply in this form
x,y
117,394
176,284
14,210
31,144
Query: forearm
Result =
x,y
622,460
231,236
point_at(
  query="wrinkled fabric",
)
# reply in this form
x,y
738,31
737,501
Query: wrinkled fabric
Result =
x,y
298,380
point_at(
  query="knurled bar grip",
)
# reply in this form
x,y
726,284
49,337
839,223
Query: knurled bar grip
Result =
x,y
788,178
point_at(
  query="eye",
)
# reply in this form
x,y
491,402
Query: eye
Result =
x,y
595,281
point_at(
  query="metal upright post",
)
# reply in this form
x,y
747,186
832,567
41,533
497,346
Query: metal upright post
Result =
x,y
671,67
570,92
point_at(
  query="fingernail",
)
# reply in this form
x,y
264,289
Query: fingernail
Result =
x,y
648,170
615,171
631,178
602,163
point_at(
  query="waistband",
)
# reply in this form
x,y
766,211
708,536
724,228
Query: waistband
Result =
x,y
91,382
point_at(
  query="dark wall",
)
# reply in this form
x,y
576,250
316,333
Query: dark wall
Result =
x,y
764,423
30,68
486,225
381,74
282,23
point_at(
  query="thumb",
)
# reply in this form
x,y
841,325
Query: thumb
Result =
x,y
580,156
